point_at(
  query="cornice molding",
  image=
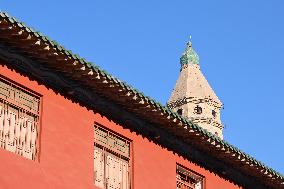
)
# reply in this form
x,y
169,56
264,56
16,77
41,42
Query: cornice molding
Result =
x,y
195,100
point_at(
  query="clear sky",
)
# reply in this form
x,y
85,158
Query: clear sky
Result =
x,y
240,45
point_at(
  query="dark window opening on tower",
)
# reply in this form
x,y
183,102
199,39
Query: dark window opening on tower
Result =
x,y
198,110
214,113
179,111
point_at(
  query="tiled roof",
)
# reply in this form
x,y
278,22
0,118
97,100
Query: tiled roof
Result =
x,y
189,56
34,43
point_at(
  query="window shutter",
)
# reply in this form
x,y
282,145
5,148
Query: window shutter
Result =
x,y
198,185
112,171
10,146
19,116
124,174
116,154
5,129
33,140
99,167
2,115
27,149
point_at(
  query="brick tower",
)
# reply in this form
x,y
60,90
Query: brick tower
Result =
x,y
193,97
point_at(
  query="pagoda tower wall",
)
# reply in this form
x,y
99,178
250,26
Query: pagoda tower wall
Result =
x,y
193,97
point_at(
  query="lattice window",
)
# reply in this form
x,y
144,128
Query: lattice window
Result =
x,y
19,119
187,179
111,160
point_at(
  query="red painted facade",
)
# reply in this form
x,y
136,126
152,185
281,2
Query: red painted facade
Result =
x,y
66,147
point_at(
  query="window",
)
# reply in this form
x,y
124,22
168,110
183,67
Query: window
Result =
x,y
187,179
198,110
179,111
111,160
214,113
19,119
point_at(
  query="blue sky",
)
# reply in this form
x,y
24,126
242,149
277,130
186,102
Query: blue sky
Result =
x,y
240,45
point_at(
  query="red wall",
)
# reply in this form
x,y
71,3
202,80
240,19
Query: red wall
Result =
x,y
66,150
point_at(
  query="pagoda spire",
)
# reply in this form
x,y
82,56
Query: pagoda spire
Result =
x,y
189,56
193,97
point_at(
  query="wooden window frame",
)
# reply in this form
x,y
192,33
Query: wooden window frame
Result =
x,y
188,173
20,107
109,150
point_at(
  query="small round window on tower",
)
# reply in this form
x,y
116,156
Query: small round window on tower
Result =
x,y
214,113
198,110
179,111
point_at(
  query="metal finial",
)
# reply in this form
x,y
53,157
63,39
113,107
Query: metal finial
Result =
x,y
189,43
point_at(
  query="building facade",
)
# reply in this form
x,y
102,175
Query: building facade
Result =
x,y
65,123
